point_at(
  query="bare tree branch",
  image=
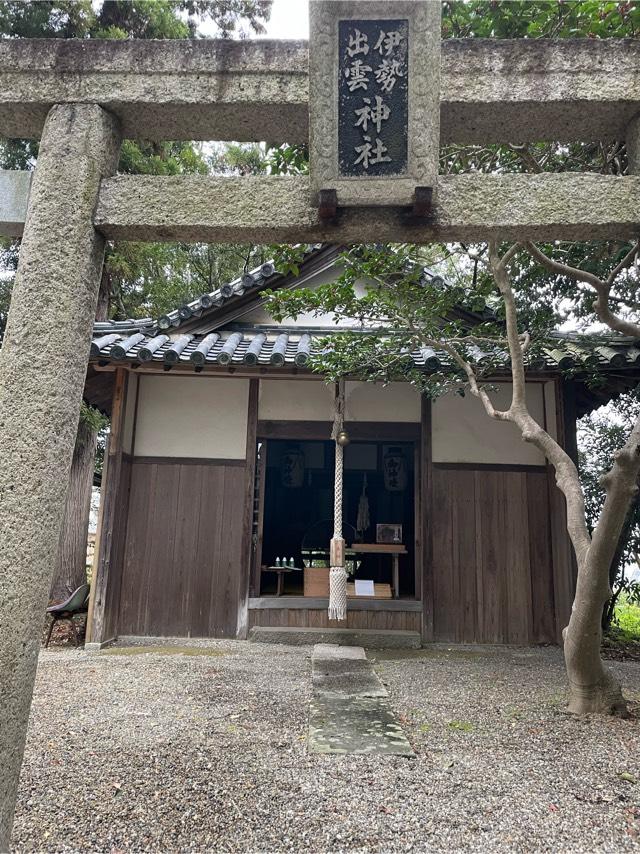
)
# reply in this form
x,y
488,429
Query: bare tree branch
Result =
x,y
527,158
566,472
626,262
600,286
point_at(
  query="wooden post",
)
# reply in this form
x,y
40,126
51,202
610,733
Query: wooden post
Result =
x,y
249,497
426,527
569,419
418,548
102,625
257,550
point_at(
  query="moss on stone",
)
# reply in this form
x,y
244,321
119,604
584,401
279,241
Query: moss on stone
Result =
x,y
162,650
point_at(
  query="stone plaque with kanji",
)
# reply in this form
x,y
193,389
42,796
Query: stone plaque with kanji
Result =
x,y
373,108
374,99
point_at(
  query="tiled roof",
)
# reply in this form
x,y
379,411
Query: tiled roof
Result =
x,y
178,339
253,280
210,303
228,346
277,346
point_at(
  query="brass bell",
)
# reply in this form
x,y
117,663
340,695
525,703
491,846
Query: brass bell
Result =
x,y
343,438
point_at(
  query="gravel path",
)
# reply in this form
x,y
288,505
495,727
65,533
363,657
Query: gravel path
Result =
x,y
201,751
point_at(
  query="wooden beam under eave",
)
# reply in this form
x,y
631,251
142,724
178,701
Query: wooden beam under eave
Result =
x,y
197,208
248,546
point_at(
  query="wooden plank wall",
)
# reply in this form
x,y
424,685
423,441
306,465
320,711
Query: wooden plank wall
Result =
x,y
493,570
121,511
182,567
318,619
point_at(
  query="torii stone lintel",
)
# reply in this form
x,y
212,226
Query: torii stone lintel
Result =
x,y
492,90
199,208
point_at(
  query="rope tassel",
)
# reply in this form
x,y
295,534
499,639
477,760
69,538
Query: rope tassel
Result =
x,y
338,574
338,593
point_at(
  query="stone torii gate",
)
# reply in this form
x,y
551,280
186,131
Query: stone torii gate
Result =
x,y
81,97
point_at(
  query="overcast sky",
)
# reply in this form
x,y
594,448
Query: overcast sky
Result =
x,y
289,20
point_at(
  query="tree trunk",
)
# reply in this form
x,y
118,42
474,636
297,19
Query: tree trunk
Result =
x,y
71,569
592,688
71,565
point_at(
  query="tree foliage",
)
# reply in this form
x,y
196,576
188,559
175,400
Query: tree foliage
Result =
x,y
600,435
509,19
143,279
127,19
415,298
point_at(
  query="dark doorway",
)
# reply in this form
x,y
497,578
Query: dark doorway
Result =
x,y
297,507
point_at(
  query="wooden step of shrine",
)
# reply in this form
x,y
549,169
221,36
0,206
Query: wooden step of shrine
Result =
x,y
367,638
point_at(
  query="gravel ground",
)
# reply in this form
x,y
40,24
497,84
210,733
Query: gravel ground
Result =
x,y
207,750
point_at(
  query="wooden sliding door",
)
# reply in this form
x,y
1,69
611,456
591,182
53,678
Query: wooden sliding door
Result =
x,y
184,551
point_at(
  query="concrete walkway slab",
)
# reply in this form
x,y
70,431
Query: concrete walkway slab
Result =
x,y
346,678
334,650
349,712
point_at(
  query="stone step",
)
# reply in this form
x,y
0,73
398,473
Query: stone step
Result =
x,y
367,638
344,671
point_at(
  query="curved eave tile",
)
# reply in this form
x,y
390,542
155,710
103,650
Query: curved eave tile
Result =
x,y
278,349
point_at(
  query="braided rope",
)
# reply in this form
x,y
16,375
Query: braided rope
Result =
x,y
337,492
338,574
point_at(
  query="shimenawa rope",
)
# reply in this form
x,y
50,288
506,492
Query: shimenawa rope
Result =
x,y
337,574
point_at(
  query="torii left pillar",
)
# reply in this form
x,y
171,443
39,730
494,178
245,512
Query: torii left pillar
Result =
x,y
43,365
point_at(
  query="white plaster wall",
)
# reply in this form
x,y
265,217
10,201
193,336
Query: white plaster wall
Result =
x,y
313,400
261,315
192,417
295,400
129,413
550,408
463,433
393,402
